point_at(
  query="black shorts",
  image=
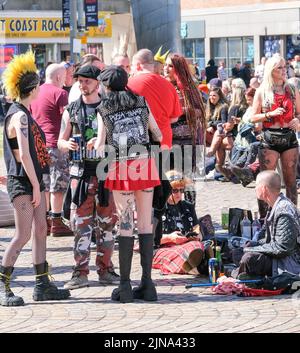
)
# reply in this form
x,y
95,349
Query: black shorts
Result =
x,y
279,140
17,186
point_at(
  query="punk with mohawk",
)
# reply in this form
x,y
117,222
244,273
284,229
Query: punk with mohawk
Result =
x,y
26,160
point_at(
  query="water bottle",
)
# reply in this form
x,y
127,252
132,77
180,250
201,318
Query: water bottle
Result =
x,y
219,260
246,226
225,217
256,227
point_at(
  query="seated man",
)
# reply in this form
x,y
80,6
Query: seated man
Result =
x,y
280,250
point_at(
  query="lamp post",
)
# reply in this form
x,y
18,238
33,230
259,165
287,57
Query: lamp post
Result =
x,y
73,28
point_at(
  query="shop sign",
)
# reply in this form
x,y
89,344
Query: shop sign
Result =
x,y
91,13
12,27
66,13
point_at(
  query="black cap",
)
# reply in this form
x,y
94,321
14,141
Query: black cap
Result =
x,y
114,77
88,71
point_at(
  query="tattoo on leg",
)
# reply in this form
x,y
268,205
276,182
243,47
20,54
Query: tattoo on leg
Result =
x,y
149,191
263,160
126,217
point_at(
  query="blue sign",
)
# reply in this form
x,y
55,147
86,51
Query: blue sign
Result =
x,y
91,13
66,13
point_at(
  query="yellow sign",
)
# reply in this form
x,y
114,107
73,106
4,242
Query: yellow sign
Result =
x,y
49,27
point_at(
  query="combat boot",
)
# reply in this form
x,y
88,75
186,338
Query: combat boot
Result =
x,y
7,297
44,289
59,229
146,290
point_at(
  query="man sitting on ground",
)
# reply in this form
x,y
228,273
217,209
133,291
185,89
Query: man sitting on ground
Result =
x,y
280,250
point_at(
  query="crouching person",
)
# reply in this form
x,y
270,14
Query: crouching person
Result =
x,y
279,251
26,160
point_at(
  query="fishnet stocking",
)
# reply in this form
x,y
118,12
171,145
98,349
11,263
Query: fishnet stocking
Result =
x,y
26,219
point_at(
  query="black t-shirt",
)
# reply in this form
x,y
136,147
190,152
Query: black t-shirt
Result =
x,y
90,131
181,217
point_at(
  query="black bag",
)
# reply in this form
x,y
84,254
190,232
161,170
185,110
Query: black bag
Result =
x,y
283,281
236,215
206,227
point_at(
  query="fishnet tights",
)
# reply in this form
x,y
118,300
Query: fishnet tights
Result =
x,y
28,218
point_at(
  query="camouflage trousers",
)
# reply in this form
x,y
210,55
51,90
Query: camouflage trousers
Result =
x,y
89,218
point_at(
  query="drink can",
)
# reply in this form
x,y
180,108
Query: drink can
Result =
x,y
213,270
77,155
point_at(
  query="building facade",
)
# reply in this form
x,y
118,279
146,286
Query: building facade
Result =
x,y
26,25
239,30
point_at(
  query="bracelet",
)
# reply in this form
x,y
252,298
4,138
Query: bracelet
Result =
x,y
268,117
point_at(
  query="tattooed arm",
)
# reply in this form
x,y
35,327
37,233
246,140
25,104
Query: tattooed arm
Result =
x,y
20,124
153,127
64,143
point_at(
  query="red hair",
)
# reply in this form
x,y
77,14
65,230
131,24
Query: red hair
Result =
x,y
194,107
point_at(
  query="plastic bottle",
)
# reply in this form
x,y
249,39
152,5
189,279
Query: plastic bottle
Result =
x,y
256,227
225,217
219,260
246,226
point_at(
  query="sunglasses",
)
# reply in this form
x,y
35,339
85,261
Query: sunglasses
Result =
x,y
175,191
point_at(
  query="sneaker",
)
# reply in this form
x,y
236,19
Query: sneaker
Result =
x,y
78,280
109,277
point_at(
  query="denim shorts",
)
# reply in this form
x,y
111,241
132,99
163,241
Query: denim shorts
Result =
x,y
17,186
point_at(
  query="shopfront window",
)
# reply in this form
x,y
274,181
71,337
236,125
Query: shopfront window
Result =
x,y
194,49
292,46
232,50
219,49
271,45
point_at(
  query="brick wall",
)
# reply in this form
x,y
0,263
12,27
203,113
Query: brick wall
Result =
x,y
198,4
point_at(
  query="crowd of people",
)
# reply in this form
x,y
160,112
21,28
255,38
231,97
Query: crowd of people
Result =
x,y
98,146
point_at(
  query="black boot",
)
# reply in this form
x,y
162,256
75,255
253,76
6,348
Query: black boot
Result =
x,y
123,293
44,289
7,297
146,290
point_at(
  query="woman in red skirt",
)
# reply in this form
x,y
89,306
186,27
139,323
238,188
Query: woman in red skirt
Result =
x,y
181,249
123,123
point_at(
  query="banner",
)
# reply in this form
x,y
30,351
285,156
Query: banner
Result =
x,y
11,27
66,13
91,13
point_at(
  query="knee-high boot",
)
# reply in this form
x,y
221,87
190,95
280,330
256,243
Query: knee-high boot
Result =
x,y
7,297
124,292
146,289
44,289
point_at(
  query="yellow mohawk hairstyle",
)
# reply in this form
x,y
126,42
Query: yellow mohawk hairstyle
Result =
x,y
19,65
161,58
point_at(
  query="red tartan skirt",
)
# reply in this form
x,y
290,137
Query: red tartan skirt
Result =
x,y
131,175
170,259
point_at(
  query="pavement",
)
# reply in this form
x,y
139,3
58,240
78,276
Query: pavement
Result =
x,y
178,310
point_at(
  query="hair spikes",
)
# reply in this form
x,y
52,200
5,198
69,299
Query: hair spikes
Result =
x,y
19,65
161,58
